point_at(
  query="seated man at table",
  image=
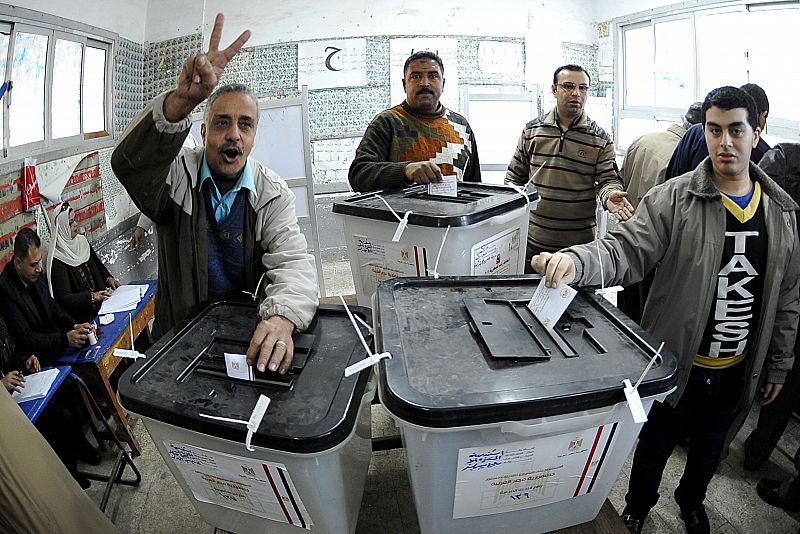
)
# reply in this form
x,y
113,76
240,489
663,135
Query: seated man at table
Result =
x,y
419,140
59,422
225,222
37,323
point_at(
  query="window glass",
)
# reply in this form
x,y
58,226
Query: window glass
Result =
x,y
721,55
639,87
26,113
674,76
94,83
778,31
66,92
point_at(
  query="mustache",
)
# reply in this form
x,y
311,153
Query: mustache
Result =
x,y
424,91
231,146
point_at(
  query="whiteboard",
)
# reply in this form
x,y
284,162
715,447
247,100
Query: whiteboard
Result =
x,y
497,125
280,143
498,120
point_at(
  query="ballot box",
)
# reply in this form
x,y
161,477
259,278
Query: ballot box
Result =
x,y
482,231
312,449
510,426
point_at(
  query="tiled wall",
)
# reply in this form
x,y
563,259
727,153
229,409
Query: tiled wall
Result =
x,y
163,62
129,99
128,83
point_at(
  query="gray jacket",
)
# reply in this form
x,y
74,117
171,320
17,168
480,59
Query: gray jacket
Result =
x,y
679,228
162,179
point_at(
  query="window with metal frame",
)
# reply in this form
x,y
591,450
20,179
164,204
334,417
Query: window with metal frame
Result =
x,y
60,98
668,59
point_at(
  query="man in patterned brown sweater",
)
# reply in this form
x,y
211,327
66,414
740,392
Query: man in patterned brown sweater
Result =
x,y
572,161
418,141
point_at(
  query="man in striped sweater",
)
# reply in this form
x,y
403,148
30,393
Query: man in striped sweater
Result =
x,y
418,141
570,161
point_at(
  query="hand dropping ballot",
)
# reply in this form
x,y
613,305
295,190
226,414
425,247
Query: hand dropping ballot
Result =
x,y
448,187
549,303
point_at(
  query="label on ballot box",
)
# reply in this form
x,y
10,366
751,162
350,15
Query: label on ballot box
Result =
x,y
252,486
524,474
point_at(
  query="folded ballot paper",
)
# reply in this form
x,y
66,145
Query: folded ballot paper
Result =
x,y
36,386
125,298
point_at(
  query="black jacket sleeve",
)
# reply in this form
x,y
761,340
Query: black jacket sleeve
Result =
x,y
371,169
473,171
68,297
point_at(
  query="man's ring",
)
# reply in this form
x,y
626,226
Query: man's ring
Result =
x,y
281,342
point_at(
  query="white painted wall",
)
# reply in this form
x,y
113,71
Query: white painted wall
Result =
x,y
125,17
167,19
295,20
606,10
545,24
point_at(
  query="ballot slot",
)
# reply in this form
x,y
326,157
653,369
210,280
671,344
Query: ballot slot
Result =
x,y
465,196
211,362
569,318
510,331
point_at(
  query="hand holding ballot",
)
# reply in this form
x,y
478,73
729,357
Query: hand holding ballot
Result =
x,y
271,346
423,172
555,268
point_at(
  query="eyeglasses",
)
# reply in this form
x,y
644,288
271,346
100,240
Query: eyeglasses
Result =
x,y
569,87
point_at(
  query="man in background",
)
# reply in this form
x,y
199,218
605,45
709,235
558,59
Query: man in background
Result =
x,y
647,158
570,160
418,141
692,149
645,166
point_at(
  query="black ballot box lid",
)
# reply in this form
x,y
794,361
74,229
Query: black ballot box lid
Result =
x,y
467,351
474,203
313,407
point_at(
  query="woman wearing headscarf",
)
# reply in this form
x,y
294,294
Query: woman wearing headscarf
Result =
x,y
78,279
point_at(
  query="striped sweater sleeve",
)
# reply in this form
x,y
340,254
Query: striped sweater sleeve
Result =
x,y
607,174
518,169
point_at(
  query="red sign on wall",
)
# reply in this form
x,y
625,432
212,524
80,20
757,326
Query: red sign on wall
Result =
x,y
30,185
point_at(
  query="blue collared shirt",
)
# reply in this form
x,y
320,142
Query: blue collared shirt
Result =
x,y
221,204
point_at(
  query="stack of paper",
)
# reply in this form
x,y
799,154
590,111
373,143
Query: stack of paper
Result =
x,y
125,298
36,386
